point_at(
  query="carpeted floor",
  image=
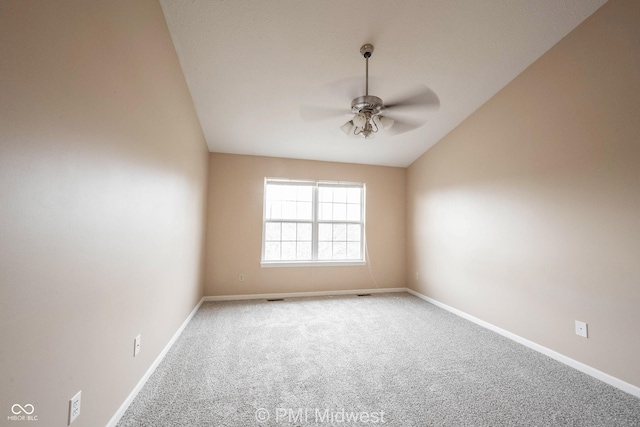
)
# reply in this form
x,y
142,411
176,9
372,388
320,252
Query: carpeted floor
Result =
x,y
384,359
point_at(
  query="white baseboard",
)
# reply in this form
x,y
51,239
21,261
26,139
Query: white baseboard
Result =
x,y
303,294
604,377
123,408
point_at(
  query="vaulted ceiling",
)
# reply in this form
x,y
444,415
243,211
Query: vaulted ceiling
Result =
x,y
254,67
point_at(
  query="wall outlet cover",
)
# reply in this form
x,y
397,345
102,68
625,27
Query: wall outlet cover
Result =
x,y
581,329
74,406
136,346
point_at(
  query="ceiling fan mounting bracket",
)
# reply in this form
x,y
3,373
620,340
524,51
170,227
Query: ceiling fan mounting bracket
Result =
x,y
366,50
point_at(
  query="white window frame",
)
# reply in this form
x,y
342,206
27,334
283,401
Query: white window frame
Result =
x,y
315,224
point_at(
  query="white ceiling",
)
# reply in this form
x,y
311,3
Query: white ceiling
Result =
x,y
251,65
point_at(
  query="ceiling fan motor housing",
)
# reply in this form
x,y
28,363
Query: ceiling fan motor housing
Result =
x,y
369,103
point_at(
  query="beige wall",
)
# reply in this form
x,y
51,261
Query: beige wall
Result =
x,y
528,214
102,197
234,227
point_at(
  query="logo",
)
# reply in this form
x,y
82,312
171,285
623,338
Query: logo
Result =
x,y
22,413
27,409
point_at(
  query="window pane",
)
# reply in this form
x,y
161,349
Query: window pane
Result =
x,y
340,232
288,231
339,250
274,210
303,251
272,251
353,250
339,211
284,201
305,193
289,192
353,233
339,195
272,231
324,250
326,211
274,192
304,232
288,251
353,212
353,195
325,232
305,210
325,194
288,210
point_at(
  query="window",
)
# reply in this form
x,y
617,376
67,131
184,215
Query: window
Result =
x,y
313,222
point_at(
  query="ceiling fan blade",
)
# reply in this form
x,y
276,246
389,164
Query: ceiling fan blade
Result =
x,y
404,126
345,89
313,113
332,100
421,97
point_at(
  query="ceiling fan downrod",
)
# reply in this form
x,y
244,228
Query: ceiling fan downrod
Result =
x,y
366,51
361,104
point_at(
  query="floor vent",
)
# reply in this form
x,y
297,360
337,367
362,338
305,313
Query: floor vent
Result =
x,y
276,299
364,295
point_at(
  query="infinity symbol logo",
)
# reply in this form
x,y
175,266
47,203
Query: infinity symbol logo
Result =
x,y
27,409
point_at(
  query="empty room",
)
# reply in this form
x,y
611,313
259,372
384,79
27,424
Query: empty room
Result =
x,y
304,213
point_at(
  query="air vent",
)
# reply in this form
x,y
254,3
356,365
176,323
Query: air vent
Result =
x,y
276,299
364,295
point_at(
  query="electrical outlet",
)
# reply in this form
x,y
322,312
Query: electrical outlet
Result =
x,y
74,407
581,329
241,277
136,346
417,276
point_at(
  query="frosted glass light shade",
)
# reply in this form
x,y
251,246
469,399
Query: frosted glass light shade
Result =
x,y
386,122
347,127
359,120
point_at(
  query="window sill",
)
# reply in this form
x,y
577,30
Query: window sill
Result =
x,y
353,263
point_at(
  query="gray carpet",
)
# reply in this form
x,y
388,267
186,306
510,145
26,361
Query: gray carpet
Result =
x,y
385,359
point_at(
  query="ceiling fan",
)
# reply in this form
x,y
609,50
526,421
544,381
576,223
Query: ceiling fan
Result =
x,y
370,113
